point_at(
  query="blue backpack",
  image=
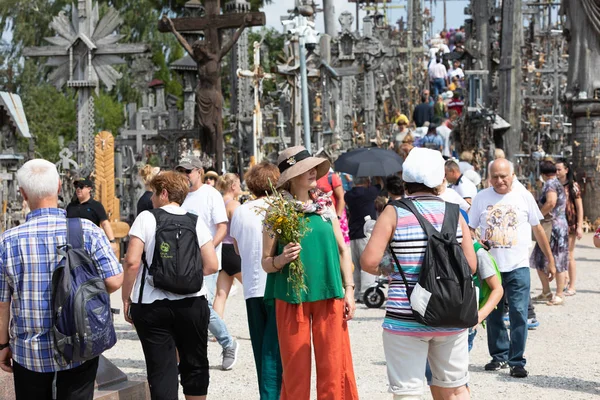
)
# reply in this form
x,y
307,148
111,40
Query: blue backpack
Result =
x,y
82,324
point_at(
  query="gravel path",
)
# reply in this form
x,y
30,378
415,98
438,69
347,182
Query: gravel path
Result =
x,y
563,353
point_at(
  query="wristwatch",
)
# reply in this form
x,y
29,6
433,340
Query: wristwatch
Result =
x,y
3,346
113,240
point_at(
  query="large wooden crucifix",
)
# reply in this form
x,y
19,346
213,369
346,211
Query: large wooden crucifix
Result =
x,y
208,54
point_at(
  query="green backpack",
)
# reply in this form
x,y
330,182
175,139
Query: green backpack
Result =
x,y
484,289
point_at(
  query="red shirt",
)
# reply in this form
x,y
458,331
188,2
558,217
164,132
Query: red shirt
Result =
x,y
323,184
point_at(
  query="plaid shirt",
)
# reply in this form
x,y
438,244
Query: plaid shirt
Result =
x,y
28,257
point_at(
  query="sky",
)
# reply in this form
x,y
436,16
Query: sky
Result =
x,y
455,12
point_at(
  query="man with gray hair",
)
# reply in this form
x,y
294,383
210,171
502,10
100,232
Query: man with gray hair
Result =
x,y
505,217
360,201
28,258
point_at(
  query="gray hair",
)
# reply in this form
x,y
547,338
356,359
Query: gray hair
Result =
x,y
510,165
39,179
361,180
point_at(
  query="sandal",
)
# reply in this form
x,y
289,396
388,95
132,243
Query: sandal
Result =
x,y
543,297
556,301
570,292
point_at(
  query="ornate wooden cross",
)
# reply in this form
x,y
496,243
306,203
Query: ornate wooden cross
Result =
x,y
83,51
208,54
257,76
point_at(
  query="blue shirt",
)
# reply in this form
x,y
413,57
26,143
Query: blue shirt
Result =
x,y
28,257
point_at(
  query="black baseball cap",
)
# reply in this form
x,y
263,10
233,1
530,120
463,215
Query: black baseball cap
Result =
x,y
84,181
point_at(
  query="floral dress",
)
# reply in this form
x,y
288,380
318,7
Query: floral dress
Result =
x,y
559,240
571,210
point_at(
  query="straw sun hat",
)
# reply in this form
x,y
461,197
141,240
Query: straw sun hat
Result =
x,y
295,161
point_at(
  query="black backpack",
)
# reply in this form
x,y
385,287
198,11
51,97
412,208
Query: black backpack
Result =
x,y
176,262
82,323
445,294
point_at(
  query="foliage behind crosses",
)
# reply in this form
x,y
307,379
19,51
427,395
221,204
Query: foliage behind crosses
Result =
x,y
27,23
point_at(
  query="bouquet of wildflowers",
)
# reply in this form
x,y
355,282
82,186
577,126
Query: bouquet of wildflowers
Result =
x,y
285,220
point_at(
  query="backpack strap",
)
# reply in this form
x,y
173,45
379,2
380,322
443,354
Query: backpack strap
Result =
x,y
157,212
451,217
74,233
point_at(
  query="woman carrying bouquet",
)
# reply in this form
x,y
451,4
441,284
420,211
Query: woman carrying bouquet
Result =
x,y
310,281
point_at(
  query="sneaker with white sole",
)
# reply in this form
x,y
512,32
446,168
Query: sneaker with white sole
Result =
x,y
230,356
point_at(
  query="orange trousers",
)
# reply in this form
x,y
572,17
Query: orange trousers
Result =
x,y
333,356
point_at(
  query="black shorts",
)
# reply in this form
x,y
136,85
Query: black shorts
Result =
x,y
168,324
71,384
231,262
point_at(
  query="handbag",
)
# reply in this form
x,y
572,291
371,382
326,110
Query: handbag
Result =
x,y
546,224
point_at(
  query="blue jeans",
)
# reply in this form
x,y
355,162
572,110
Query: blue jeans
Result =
x,y
216,325
438,86
516,285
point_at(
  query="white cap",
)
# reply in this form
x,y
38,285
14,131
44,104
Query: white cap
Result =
x,y
424,166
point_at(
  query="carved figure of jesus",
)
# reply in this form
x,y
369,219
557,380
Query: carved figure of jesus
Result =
x,y
209,99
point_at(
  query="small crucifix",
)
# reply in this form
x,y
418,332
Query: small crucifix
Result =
x,y
208,54
257,75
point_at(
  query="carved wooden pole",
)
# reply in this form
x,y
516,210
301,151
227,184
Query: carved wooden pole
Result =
x,y
104,145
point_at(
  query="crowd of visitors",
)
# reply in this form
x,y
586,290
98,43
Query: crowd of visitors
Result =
x,y
191,240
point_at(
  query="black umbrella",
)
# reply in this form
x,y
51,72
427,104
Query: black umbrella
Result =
x,y
369,161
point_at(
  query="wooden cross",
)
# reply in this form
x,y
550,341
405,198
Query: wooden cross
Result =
x,y
211,24
257,75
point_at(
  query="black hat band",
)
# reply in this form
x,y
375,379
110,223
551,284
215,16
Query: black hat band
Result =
x,y
291,161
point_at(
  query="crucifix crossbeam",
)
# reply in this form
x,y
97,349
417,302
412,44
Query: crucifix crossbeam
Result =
x,y
229,21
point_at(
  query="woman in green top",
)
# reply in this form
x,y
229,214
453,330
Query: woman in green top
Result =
x,y
326,305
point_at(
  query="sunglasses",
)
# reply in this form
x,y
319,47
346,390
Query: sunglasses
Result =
x,y
80,186
209,178
187,171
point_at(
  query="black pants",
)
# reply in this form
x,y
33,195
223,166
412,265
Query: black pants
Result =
x,y
164,326
72,384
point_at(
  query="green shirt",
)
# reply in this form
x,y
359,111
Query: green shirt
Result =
x,y
321,259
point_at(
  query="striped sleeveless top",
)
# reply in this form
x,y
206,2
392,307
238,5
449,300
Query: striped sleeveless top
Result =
x,y
409,244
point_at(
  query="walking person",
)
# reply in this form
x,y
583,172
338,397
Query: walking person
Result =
x,y
230,187
408,344
327,304
246,230
505,218
83,206
206,202
28,259
574,213
361,203
170,323
553,203
147,173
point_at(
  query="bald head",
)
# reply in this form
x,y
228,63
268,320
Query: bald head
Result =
x,y
501,175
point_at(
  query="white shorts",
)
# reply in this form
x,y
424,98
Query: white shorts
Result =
x,y
406,357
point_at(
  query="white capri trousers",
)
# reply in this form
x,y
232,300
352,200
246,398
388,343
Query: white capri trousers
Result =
x,y
406,357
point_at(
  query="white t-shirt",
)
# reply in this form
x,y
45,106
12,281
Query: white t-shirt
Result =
x,y
207,203
246,228
444,132
144,228
451,196
437,71
505,221
465,188
464,166
456,72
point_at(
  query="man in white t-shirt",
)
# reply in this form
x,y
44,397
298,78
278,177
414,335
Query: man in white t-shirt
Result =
x,y
444,130
463,186
505,218
207,203
165,321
